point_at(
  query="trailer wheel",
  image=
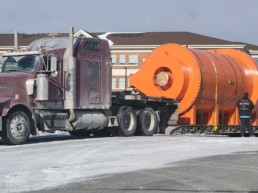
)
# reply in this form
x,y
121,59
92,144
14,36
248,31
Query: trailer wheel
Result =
x,y
127,121
148,122
17,128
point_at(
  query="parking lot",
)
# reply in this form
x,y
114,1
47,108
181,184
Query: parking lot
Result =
x,y
60,163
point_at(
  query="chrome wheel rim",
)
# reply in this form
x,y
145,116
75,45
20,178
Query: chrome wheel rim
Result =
x,y
18,127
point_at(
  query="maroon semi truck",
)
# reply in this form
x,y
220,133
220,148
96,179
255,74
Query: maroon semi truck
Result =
x,y
64,84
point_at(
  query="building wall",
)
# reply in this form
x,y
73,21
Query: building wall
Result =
x,y
121,69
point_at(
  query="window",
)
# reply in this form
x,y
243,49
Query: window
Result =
x,y
113,83
46,63
122,83
91,45
94,75
28,63
20,63
122,59
113,59
133,59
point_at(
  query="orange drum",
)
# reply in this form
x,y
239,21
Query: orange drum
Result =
x,y
207,84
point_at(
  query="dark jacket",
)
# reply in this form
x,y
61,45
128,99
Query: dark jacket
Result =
x,y
245,106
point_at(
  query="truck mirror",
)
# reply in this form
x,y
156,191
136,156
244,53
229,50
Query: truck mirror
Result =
x,y
53,64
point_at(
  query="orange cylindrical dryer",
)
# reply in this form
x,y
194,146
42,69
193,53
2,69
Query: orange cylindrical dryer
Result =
x,y
207,84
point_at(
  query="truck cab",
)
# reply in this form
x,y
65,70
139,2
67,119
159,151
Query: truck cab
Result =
x,y
46,87
65,84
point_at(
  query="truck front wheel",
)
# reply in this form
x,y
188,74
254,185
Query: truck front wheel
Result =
x,y
17,128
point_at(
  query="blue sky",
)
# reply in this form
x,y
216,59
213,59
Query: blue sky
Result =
x,y
233,20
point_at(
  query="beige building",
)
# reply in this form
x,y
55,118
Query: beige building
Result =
x,y
129,50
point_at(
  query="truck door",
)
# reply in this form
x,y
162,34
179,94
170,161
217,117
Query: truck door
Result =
x,y
90,72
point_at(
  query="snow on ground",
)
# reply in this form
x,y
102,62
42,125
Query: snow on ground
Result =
x,y
55,161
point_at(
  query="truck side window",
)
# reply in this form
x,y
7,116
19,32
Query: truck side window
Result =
x,y
45,65
91,45
94,74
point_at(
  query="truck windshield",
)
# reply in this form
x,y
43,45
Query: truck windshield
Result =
x,y
26,63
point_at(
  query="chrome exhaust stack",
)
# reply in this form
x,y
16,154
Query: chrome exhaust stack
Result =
x,y
16,44
70,90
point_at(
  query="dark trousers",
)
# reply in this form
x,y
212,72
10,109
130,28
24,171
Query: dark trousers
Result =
x,y
246,124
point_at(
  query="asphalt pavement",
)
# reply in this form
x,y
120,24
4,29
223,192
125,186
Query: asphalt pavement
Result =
x,y
237,172
63,164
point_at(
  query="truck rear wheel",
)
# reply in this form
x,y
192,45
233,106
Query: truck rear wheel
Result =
x,y
127,121
148,122
17,128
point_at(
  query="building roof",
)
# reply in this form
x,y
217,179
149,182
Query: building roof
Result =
x,y
25,39
144,38
157,38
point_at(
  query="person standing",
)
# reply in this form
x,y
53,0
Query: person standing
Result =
x,y
245,106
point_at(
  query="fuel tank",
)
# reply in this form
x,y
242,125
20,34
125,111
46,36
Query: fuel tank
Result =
x,y
207,84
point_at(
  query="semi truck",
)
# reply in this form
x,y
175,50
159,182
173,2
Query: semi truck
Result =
x,y
64,83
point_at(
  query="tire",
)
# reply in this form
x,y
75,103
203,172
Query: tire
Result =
x,y
148,122
127,121
17,128
80,133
